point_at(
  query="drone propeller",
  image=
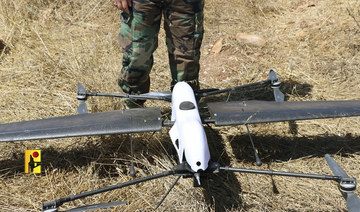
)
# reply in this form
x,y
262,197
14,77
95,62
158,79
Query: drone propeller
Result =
x,y
279,96
275,85
81,96
352,202
347,185
82,109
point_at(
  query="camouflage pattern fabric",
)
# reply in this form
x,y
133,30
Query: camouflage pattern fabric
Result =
x,y
138,37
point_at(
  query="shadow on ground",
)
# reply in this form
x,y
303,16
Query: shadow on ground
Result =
x,y
221,190
275,148
263,93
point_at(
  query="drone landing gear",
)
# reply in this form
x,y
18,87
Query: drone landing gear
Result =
x,y
257,158
279,97
132,169
167,193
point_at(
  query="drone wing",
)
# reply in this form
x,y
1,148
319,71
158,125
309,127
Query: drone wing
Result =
x,y
251,112
112,122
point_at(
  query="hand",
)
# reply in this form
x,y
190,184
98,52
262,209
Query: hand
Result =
x,y
123,5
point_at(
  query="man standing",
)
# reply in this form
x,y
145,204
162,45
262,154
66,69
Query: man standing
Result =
x,y
138,37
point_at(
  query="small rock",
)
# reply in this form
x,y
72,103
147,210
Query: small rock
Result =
x,y
217,46
251,39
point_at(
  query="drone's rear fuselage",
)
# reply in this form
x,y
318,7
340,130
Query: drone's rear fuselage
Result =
x,y
187,134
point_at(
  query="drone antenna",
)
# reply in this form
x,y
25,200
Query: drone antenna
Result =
x,y
257,158
167,193
132,169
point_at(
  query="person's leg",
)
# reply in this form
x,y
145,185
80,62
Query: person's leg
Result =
x,y
138,39
183,23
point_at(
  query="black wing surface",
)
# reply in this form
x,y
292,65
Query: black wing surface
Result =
x,y
104,123
251,112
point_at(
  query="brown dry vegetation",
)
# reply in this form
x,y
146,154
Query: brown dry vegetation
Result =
x,y
51,45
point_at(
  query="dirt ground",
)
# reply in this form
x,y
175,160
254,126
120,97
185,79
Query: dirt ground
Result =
x,y
47,47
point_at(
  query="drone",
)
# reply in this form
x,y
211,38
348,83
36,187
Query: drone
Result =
x,y
187,132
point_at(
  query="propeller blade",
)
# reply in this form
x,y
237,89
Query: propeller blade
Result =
x,y
347,185
275,85
272,75
82,109
97,206
335,168
352,202
279,96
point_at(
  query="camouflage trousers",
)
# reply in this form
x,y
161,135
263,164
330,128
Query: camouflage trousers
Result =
x,y
138,37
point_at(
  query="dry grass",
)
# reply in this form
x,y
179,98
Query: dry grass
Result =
x,y
51,45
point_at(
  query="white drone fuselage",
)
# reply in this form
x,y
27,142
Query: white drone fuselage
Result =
x,y
187,133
